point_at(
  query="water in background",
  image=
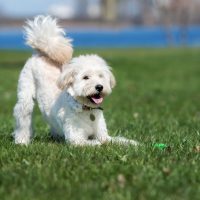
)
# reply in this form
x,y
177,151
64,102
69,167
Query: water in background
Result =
x,y
121,38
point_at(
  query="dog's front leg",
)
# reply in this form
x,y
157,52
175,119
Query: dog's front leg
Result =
x,y
101,130
103,137
76,136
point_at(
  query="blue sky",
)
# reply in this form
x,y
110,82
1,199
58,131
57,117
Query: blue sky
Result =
x,y
18,8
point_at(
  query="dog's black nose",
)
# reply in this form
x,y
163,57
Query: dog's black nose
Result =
x,y
99,88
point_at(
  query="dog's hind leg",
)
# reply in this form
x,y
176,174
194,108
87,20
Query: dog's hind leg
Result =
x,y
24,107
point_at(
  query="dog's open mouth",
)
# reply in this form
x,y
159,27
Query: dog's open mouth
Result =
x,y
96,99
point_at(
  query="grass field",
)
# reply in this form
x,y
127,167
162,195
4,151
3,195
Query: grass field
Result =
x,y
157,100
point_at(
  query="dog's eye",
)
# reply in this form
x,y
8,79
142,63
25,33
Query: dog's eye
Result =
x,y
101,75
85,77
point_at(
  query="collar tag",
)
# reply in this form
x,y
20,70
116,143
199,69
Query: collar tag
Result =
x,y
92,117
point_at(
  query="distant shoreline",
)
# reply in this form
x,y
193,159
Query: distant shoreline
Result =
x,y
10,22
129,37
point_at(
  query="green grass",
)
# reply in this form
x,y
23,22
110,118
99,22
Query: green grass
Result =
x,y
156,100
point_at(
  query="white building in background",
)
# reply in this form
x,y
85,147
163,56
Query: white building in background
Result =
x,y
99,9
65,10
139,11
128,9
162,3
93,9
76,9
62,11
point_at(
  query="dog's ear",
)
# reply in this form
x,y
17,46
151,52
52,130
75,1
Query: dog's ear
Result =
x,y
112,80
66,78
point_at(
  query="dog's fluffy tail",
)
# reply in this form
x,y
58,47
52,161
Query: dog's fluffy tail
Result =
x,y
44,35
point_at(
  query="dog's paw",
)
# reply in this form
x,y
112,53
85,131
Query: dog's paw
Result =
x,y
133,142
22,140
124,141
105,140
92,142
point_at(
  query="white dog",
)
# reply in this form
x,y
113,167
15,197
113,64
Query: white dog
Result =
x,y
68,92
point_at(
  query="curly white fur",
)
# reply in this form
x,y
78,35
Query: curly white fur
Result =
x,y
44,35
63,92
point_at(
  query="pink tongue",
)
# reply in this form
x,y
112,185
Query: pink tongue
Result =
x,y
97,101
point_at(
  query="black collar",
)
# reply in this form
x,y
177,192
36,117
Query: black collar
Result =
x,y
87,108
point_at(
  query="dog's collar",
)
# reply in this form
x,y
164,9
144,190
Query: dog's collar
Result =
x,y
87,108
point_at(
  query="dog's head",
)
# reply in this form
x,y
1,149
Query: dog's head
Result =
x,y
88,79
